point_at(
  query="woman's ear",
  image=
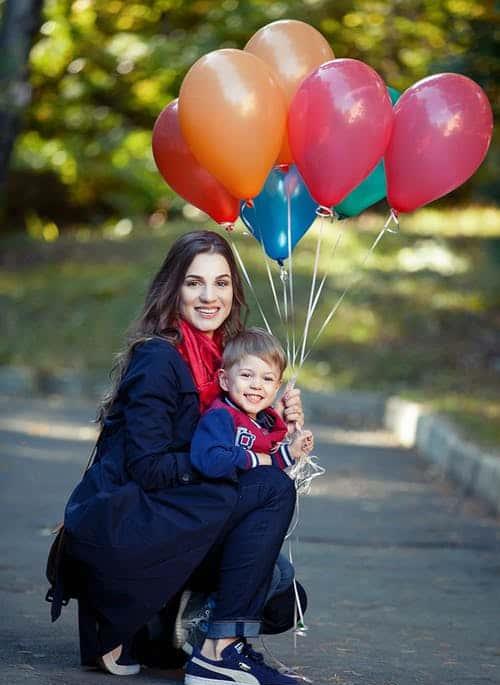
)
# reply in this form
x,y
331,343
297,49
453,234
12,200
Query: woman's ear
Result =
x,y
223,380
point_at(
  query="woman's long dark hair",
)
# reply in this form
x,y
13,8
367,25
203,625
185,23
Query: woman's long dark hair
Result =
x,y
161,307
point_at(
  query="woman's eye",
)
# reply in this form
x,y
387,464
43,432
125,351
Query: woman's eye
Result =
x,y
223,284
191,284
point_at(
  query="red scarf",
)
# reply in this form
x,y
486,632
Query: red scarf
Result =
x,y
203,356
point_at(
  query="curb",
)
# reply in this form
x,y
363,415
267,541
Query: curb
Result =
x,y
435,438
438,442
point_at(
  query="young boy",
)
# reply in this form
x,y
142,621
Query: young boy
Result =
x,y
241,430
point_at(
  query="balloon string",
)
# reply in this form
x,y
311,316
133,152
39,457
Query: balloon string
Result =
x,y
273,288
387,227
313,286
322,283
284,278
290,280
283,668
250,285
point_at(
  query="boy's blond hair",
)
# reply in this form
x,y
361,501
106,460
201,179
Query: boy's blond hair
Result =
x,y
255,342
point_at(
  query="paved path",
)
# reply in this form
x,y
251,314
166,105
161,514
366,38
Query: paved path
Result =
x,y
403,574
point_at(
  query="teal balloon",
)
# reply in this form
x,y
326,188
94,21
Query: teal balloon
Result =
x,y
268,219
372,189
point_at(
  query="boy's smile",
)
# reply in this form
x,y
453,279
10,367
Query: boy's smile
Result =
x,y
251,383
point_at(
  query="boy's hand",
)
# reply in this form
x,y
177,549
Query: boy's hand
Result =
x,y
264,459
301,443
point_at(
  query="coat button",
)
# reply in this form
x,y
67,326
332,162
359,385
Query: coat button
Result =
x,y
186,478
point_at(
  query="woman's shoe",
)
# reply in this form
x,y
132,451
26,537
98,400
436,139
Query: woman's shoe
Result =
x,y
119,662
191,623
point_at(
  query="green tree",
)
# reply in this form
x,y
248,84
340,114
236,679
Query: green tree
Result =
x,y
102,70
20,23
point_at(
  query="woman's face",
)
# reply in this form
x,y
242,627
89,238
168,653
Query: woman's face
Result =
x,y
207,292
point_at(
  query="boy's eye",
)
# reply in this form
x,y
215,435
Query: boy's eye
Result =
x,y
269,379
245,374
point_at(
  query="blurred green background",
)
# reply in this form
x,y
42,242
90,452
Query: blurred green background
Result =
x,y
86,218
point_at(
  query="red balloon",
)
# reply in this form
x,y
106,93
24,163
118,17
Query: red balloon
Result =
x,y
339,124
442,130
184,174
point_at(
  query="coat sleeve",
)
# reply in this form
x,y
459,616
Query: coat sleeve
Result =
x,y
213,451
150,392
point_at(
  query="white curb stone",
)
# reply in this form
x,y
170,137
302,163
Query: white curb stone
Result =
x,y
439,443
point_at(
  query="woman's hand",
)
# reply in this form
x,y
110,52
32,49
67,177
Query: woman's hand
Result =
x,y
264,459
289,407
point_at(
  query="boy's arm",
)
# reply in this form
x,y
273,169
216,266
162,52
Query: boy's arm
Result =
x,y
282,457
213,451
302,442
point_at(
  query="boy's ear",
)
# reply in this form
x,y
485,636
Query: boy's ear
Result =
x,y
223,380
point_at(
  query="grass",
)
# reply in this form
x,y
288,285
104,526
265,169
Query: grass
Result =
x,y
423,321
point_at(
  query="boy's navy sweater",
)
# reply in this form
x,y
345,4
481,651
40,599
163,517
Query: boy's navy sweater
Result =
x,y
227,439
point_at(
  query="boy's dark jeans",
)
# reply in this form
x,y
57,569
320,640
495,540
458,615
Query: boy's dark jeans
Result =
x,y
247,551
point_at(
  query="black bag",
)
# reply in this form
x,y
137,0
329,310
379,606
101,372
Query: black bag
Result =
x,y
54,558
61,572
58,593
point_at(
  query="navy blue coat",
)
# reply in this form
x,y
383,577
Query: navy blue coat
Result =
x,y
141,520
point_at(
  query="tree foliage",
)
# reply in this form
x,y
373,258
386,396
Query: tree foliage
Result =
x,y
102,70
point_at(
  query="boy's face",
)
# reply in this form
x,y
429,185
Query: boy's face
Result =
x,y
251,383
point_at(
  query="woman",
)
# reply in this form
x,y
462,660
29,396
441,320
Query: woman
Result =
x,y
141,522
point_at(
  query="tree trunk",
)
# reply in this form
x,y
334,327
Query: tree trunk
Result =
x,y
21,20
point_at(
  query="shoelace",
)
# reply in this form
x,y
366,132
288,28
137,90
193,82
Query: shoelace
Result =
x,y
257,657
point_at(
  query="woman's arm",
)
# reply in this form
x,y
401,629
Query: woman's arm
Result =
x,y
213,451
150,392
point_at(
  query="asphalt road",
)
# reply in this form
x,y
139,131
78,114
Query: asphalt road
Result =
x,y
403,572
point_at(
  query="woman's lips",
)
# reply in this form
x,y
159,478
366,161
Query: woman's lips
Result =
x,y
207,312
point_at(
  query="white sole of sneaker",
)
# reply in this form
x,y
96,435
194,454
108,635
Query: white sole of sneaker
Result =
x,y
187,648
109,665
198,680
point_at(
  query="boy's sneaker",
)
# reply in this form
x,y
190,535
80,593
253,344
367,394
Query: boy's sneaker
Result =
x,y
239,665
191,624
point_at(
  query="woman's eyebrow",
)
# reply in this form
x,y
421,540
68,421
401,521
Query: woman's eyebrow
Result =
x,y
201,278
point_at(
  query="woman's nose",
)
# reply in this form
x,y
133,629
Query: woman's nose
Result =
x,y
207,294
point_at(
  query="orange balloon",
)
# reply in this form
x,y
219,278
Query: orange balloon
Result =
x,y
292,49
233,117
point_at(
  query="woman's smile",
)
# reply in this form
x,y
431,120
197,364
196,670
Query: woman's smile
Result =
x,y
207,292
